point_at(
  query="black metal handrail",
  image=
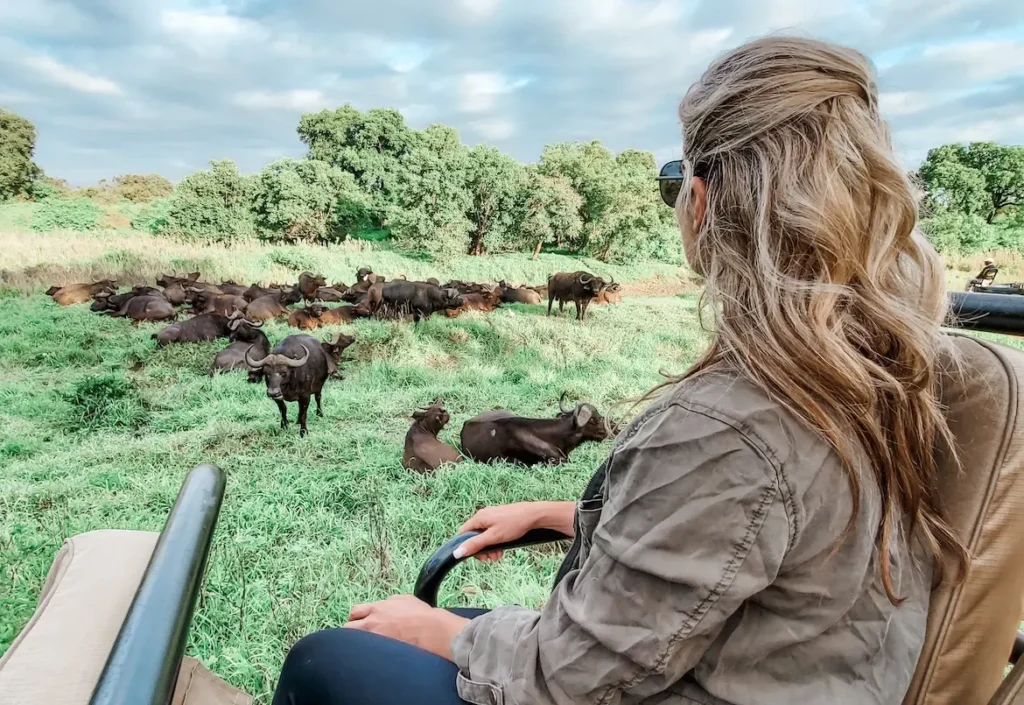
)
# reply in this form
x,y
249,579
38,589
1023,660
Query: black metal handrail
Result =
x,y
437,567
993,313
143,664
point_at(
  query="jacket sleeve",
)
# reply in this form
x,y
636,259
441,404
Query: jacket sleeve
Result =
x,y
693,525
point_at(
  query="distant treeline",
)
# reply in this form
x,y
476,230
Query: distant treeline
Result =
x,y
369,175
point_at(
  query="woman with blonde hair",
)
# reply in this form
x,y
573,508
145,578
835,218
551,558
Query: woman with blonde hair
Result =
x,y
768,529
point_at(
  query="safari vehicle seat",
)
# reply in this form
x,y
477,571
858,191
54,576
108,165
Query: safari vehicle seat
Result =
x,y
113,618
972,629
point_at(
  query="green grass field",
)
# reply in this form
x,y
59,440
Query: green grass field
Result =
x,y
98,429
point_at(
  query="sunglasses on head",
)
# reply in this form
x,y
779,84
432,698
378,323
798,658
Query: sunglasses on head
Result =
x,y
670,180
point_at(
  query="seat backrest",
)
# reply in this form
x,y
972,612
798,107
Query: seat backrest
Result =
x,y
971,628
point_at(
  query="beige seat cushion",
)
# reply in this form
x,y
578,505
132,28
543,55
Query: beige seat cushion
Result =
x,y
971,628
59,655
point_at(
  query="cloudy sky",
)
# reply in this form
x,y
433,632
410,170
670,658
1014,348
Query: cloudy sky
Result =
x,y
119,86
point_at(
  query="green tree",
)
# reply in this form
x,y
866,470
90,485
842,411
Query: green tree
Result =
x,y
549,212
213,205
955,233
431,198
369,145
17,143
308,200
982,178
142,188
591,169
493,180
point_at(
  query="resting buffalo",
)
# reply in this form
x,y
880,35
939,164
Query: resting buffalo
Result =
x,y
611,294
165,280
306,318
230,287
519,295
309,283
272,305
476,302
256,291
424,452
80,293
108,301
244,335
333,348
501,435
330,294
579,287
208,326
339,315
295,370
420,300
145,308
225,304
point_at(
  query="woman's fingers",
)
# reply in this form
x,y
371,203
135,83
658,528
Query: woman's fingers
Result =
x,y
476,544
357,612
475,523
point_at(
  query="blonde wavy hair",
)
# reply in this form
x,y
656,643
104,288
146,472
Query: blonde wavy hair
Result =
x,y
821,289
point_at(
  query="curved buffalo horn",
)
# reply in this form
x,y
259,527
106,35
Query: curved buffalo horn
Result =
x,y
297,363
254,324
584,413
561,403
585,278
233,323
612,281
255,364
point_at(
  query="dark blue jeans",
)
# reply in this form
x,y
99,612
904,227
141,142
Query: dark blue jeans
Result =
x,y
351,667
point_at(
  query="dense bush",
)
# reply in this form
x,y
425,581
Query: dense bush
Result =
x,y
142,188
213,206
66,213
152,217
309,200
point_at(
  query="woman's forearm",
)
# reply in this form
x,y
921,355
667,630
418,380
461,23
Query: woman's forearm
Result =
x,y
559,516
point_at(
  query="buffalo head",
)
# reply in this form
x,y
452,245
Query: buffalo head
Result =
x,y
276,369
432,418
587,419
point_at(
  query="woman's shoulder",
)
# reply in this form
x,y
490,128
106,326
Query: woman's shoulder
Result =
x,y
736,404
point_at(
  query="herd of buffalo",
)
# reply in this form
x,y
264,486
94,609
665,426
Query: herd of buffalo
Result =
x,y
297,368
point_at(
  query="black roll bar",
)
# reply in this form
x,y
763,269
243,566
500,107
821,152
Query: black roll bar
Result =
x,y
993,313
142,668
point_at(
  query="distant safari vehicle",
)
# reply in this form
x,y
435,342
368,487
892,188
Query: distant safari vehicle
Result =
x,y
114,615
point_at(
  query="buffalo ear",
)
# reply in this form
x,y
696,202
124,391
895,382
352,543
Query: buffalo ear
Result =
x,y
193,276
583,415
419,415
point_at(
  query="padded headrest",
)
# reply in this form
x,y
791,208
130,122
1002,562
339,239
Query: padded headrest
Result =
x,y
971,628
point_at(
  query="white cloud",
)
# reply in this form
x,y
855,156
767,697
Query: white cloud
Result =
x,y
479,91
495,129
982,60
210,31
54,71
897,103
477,10
292,101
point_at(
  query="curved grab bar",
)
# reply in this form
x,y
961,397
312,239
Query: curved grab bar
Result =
x,y
443,559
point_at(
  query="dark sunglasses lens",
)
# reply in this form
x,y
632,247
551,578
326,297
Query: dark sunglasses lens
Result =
x,y
670,191
672,170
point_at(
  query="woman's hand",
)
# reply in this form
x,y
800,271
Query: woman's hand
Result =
x,y
408,619
509,522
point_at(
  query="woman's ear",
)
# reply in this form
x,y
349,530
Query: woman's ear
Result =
x,y
698,201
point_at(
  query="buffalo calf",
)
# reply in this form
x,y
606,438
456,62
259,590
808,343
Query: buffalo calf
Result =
x,y
424,452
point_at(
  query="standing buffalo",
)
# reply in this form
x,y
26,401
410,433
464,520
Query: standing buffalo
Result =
x,y
145,308
208,326
272,305
501,435
245,335
579,287
420,300
309,284
295,370
424,452
80,293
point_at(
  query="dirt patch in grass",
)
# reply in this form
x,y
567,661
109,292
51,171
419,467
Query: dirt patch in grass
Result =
x,y
662,286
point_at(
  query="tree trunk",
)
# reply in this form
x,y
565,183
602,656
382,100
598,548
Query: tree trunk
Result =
x,y
536,250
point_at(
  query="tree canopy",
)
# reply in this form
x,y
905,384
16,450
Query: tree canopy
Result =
x,y
17,144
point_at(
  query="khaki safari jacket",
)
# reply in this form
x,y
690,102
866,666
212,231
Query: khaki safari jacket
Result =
x,y
707,569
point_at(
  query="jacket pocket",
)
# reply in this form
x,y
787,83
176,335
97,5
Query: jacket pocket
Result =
x,y
478,692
